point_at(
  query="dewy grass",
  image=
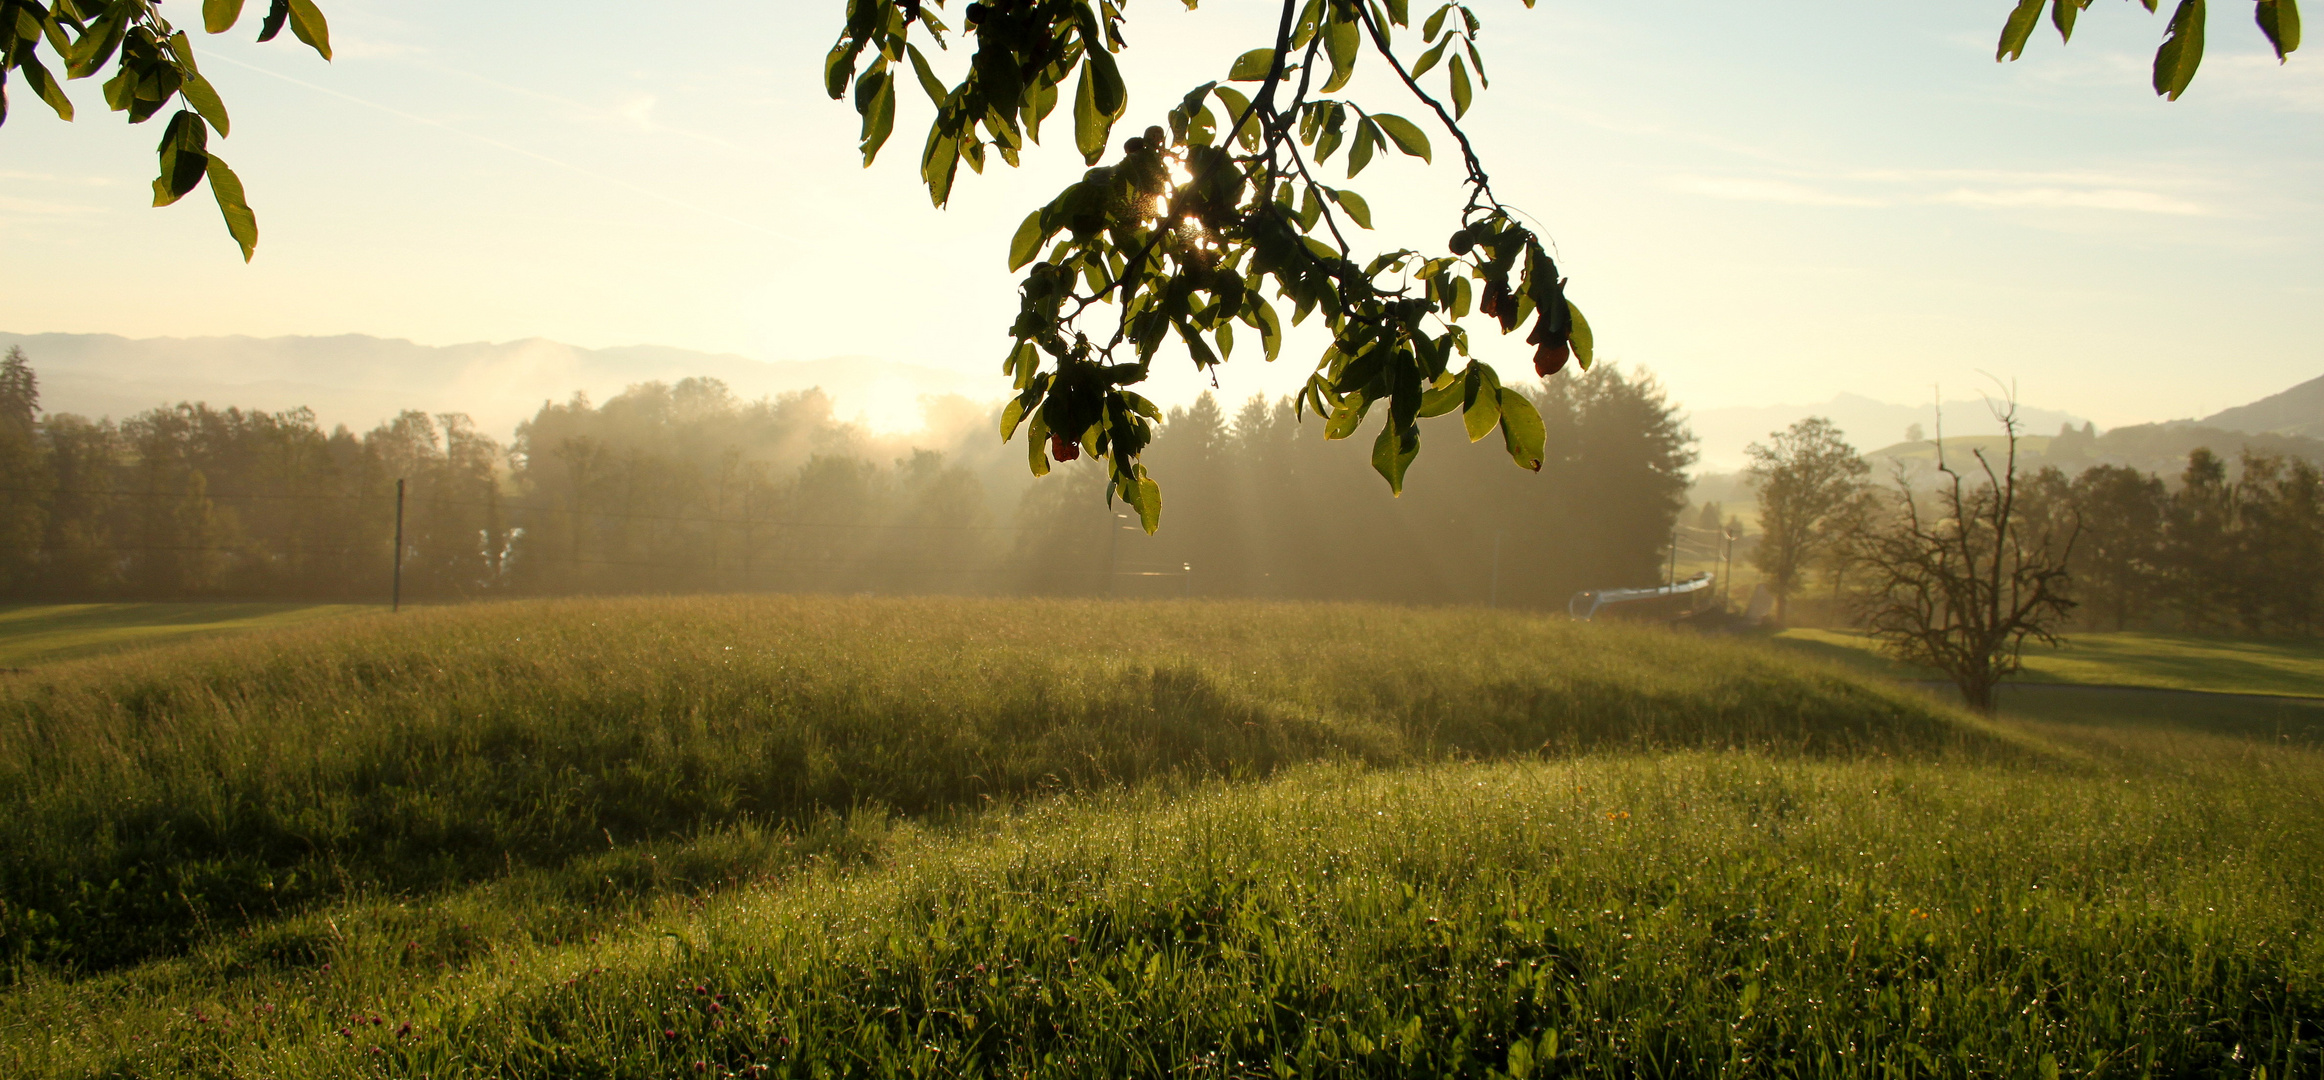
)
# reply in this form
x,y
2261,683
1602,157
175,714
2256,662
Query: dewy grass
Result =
x,y
766,837
1676,914
149,800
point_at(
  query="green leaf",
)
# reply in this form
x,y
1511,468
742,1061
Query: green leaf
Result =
x,y
938,165
879,111
204,98
1107,91
1407,135
240,222
1435,23
2182,52
1461,94
1148,500
44,85
2019,27
1521,429
1037,445
929,83
2280,21
839,67
1441,400
1392,453
184,157
1429,59
1584,346
1252,66
1346,417
1340,43
1358,210
1012,415
219,16
1270,328
2062,14
1360,155
1027,242
1480,400
1091,128
1239,108
306,21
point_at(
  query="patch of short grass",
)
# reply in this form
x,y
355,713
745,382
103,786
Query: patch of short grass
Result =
x,y
46,633
2290,668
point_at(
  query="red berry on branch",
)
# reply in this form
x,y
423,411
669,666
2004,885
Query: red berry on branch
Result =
x,y
1550,357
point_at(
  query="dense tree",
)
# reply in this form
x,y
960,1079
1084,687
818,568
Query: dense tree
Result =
x,y
2116,567
1811,487
24,479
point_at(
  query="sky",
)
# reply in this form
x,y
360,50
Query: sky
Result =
x,y
1759,203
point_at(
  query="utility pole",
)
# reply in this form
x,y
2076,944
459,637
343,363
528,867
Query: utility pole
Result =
x,y
395,599
1493,597
1673,578
1114,529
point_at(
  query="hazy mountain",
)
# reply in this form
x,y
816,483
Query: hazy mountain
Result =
x,y
1868,424
359,381
2297,411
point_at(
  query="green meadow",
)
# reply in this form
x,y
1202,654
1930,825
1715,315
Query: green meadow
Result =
x,y
846,837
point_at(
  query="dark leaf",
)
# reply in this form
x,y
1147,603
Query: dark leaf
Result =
x,y
2019,27
2182,52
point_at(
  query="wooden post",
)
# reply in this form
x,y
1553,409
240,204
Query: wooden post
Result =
x,y
1493,597
395,601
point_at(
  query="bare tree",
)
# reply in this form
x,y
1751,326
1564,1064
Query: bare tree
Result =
x,y
1961,577
1810,484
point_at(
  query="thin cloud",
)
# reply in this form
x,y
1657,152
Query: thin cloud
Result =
x,y
1749,189
2123,199
1985,189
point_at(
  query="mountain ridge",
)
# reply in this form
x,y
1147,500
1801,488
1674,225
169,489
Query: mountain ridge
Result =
x,y
360,380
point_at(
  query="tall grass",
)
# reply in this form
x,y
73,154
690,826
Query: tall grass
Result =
x,y
1677,914
149,801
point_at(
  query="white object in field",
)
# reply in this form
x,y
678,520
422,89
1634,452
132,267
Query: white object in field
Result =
x,y
1762,603
1585,605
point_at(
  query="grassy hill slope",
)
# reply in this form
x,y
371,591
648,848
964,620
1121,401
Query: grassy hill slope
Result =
x,y
150,798
823,837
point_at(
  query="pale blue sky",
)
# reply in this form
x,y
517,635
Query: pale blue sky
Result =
x,y
1761,203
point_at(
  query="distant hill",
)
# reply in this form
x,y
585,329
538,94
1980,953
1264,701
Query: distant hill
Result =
x,y
1866,422
359,381
2297,411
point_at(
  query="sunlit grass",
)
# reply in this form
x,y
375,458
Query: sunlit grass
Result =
x,y
2133,658
823,837
45,633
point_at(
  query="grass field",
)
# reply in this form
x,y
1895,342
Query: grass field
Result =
x,y
2158,661
956,838
46,633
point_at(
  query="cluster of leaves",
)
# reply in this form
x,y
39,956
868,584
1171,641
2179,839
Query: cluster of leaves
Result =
x,y
2182,49
1183,234
153,65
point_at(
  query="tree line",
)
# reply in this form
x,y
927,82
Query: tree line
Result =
x,y
684,487
2222,547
